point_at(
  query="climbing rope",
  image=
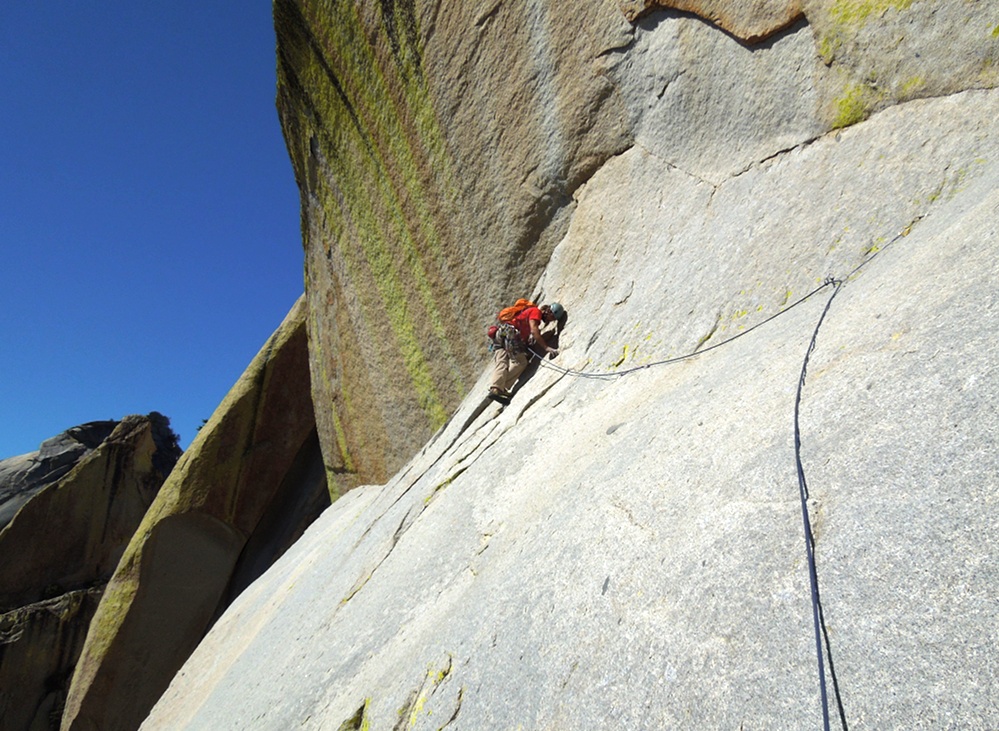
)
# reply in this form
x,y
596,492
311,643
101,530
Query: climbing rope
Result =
x,y
613,375
821,650
828,282
822,647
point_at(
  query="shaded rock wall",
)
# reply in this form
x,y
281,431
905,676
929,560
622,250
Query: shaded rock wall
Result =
x,y
240,495
61,548
40,644
435,181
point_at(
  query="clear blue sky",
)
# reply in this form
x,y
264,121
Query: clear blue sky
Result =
x,y
149,220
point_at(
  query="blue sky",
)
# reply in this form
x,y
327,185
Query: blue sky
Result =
x,y
149,219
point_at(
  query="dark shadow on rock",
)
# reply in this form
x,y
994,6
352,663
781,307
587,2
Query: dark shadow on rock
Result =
x,y
551,336
302,496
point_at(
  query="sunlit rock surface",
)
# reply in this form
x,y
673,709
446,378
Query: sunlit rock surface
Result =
x,y
25,475
748,20
628,551
624,545
439,147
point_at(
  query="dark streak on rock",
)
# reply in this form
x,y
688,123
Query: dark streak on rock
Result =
x,y
399,19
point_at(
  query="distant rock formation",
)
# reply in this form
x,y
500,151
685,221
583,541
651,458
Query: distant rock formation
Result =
x,y
23,476
246,489
78,499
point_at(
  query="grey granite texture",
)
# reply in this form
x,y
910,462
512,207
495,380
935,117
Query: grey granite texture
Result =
x,y
628,552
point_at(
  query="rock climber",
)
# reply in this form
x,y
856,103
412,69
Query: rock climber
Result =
x,y
511,342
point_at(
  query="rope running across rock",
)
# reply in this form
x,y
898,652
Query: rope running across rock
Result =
x,y
822,647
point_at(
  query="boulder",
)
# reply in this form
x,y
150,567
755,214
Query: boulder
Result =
x,y
245,489
61,548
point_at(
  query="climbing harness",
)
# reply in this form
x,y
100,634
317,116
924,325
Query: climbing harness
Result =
x,y
822,646
507,337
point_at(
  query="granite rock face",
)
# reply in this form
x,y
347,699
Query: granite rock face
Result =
x,y
243,492
61,548
40,644
624,546
439,146
435,180
882,52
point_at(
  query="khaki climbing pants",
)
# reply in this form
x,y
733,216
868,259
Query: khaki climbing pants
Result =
x,y
507,367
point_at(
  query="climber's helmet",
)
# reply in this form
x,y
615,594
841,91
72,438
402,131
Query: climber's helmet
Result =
x,y
553,311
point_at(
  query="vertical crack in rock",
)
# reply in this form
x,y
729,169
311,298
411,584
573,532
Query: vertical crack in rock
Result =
x,y
575,664
399,19
359,721
487,13
393,541
407,521
669,82
537,397
709,334
457,710
627,295
410,711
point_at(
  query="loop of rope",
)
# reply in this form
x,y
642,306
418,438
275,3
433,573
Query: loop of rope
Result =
x,y
822,647
612,375
829,281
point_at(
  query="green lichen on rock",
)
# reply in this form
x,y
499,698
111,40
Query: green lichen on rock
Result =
x,y
360,721
900,50
859,11
913,85
410,712
372,163
846,17
853,105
